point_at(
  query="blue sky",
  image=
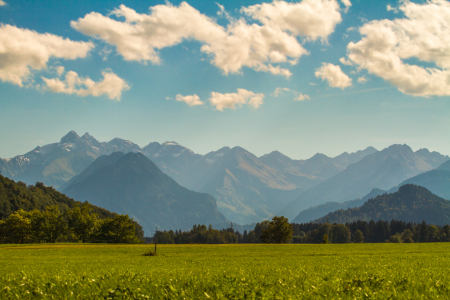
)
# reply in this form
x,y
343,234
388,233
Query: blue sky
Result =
x,y
389,45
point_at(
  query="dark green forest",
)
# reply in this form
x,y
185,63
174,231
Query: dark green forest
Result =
x,y
393,231
42,214
412,203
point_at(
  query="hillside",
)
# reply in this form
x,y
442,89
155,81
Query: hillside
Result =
x,y
15,196
383,170
134,185
411,203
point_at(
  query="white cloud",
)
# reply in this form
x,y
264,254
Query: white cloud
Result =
x,y
345,61
301,97
2,3
309,18
191,100
362,79
423,34
279,91
59,70
231,100
390,8
140,36
23,49
334,75
347,3
298,96
111,86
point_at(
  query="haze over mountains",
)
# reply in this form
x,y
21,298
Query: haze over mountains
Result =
x,y
132,184
383,169
246,188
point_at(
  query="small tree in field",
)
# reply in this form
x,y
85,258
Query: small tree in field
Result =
x,y
278,232
358,237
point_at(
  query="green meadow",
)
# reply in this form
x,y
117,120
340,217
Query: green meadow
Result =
x,y
350,271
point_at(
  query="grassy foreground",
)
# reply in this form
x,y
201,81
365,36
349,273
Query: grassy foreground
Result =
x,y
351,271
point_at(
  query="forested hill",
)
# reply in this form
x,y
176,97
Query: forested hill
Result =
x,y
412,203
15,196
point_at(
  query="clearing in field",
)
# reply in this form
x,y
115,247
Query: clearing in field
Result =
x,y
361,271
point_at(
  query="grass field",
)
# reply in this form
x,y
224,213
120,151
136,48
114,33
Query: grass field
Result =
x,y
352,271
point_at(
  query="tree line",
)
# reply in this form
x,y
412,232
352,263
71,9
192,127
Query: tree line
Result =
x,y
279,230
78,224
393,231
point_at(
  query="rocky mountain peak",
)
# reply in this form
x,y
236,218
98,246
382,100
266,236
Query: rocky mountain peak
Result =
x,y
71,137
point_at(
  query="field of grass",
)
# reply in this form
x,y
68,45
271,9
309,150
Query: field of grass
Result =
x,y
352,271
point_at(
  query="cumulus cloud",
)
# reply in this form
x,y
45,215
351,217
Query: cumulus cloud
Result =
x,y
240,44
345,61
111,86
347,3
191,100
312,19
362,79
301,97
298,96
334,75
2,3
22,50
423,34
279,91
231,100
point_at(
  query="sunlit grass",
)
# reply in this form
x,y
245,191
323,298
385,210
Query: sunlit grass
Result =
x,y
366,271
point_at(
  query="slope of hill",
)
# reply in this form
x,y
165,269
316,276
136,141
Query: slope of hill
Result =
x,y
411,203
15,196
382,170
437,181
318,211
134,185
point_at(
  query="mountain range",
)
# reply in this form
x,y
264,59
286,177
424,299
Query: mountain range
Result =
x,y
383,170
247,188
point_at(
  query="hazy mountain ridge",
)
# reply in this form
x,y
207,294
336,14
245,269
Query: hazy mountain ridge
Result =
x,y
411,203
57,163
436,181
131,183
247,188
382,169
318,211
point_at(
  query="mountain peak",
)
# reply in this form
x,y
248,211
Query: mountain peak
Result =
x,y
399,148
71,137
171,144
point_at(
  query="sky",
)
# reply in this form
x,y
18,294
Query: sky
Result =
x,y
300,77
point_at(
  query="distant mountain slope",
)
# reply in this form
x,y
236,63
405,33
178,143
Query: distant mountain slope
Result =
x,y
411,203
57,163
246,190
436,181
307,173
382,169
318,211
134,185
